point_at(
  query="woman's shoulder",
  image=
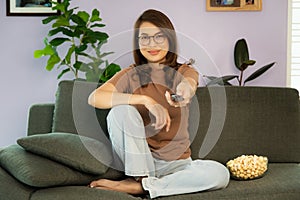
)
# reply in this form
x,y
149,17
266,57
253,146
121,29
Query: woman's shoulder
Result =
x,y
127,69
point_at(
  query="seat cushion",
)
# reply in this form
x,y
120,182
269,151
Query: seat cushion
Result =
x,y
282,181
12,189
79,152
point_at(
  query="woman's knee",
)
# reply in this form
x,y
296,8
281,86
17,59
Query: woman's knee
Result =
x,y
221,174
122,112
215,173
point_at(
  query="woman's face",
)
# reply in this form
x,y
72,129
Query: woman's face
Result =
x,y
153,43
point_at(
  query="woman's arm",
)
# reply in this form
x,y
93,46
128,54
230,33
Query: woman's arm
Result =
x,y
107,96
187,89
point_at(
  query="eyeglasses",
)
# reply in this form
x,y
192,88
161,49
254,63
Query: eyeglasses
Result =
x,y
158,38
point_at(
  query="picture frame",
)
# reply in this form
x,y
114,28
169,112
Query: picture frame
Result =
x,y
233,5
30,7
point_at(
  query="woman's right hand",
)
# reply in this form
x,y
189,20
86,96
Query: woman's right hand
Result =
x,y
161,114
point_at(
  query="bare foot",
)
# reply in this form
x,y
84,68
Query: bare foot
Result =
x,y
128,185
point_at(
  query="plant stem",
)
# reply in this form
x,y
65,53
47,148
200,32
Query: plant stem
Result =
x,y
241,78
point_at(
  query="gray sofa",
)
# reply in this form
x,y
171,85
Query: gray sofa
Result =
x,y
225,122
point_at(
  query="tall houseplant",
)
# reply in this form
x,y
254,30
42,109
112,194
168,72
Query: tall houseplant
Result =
x,y
74,44
242,62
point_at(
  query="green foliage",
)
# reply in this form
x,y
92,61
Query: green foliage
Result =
x,y
242,62
78,32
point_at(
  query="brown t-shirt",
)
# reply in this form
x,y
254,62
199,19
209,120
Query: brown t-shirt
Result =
x,y
175,143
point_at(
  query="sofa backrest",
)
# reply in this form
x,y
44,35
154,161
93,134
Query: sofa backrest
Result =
x,y
247,120
225,122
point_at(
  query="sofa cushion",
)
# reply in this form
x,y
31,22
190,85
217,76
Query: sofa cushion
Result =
x,y
37,171
79,152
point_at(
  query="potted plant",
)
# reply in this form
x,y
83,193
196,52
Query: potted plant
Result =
x,y
242,62
74,44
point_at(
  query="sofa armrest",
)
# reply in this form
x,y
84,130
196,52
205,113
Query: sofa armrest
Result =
x,y
40,119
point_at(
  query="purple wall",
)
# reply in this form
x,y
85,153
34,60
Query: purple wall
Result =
x,y
209,37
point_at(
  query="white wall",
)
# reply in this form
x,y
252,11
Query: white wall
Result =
x,y
208,37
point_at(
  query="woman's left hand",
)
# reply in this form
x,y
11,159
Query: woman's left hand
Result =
x,y
185,89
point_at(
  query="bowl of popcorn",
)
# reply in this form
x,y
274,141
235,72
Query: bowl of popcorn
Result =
x,y
247,167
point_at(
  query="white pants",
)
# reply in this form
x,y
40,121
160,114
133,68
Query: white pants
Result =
x,y
127,134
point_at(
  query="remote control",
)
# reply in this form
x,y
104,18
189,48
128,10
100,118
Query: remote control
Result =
x,y
176,98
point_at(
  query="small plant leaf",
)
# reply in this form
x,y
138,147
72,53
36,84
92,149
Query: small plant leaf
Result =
x,y
84,67
241,53
259,72
38,53
222,80
77,64
246,64
98,25
63,72
95,16
210,77
49,19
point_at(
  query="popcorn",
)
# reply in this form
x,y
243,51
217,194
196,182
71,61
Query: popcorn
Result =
x,y
246,167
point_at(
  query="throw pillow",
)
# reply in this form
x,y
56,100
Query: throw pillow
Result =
x,y
37,171
247,167
79,152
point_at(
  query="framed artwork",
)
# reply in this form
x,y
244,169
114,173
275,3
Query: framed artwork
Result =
x,y
233,5
30,7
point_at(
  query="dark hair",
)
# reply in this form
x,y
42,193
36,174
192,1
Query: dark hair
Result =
x,y
163,22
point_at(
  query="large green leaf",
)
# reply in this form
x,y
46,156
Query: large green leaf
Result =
x,y
84,16
52,61
69,54
94,36
61,21
76,19
259,72
47,51
78,31
62,30
81,48
241,53
110,71
58,41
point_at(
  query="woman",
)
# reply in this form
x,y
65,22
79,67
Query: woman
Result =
x,y
148,129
